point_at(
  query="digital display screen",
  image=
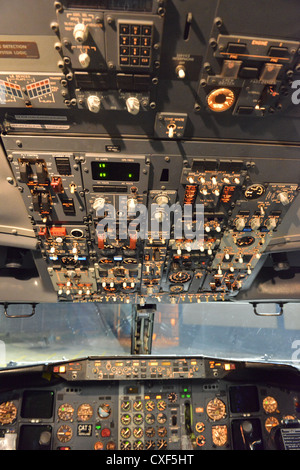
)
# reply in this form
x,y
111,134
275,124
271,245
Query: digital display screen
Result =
x,y
115,171
244,399
124,5
37,404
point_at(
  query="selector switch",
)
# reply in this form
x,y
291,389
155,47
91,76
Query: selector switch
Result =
x,y
94,103
133,105
80,33
84,60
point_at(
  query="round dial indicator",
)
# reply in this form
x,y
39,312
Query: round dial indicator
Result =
x,y
64,433
65,412
200,440
104,411
172,397
85,412
8,412
270,405
270,423
216,409
219,435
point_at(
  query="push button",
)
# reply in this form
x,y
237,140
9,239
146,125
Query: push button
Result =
x,y
278,52
236,48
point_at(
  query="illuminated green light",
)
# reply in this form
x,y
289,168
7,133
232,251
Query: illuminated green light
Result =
x,y
130,175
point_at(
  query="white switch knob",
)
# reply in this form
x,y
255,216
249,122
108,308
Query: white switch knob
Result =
x,y
94,103
133,105
84,60
80,32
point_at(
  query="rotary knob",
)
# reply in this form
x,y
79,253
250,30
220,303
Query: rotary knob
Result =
x,y
99,203
84,60
240,224
80,32
133,105
93,103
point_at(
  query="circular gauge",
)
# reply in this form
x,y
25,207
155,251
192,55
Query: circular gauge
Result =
x,y
138,419
130,261
270,405
150,445
200,440
98,445
176,289
150,418
138,445
161,418
161,405
64,433
220,100
200,427
138,433
271,423
254,191
180,277
162,431
125,405
125,433
150,432
65,412
172,397
104,411
245,241
219,435
161,444
106,261
216,409
85,412
125,419
111,445
125,445
150,405
8,412
138,405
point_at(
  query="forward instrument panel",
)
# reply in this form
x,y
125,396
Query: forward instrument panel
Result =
x,y
96,405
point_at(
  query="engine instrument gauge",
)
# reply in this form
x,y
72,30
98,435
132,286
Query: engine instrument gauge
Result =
x,y
138,433
85,412
150,418
162,431
65,412
125,433
161,405
219,435
138,445
161,418
150,445
126,405
254,191
125,445
150,405
64,433
150,432
138,419
126,419
8,412
161,444
216,409
138,405
270,405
